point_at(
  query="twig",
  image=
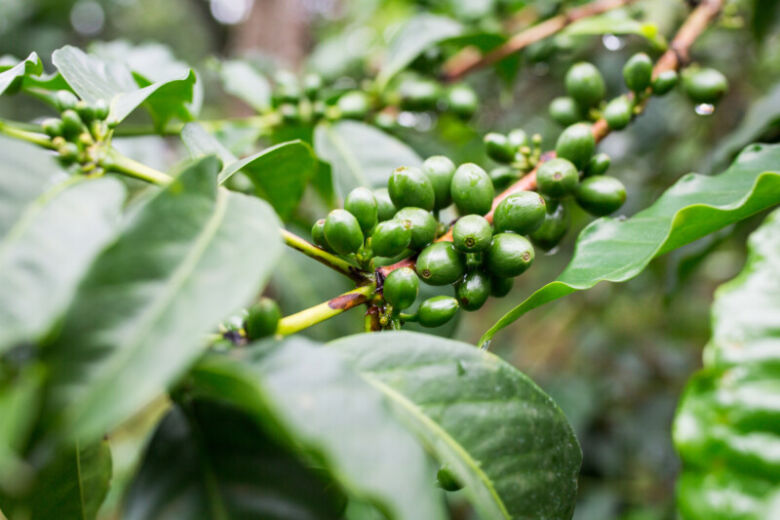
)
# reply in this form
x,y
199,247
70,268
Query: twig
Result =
x,y
334,262
325,310
465,62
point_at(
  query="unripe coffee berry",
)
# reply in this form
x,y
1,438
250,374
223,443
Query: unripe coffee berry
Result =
x,y
354,105
437,311
705,85
665,82
423,226
509,255
585,84
503,176
601,195
598,164
362,204
440,264
472,233
517,138
565,111
618,113
318,234
638,71
418,94
342,232
556,178
473,291
312,83
439,169
400,288
576,143
554,227
472,190
52,127
462,101
385,207
409,186
65,100
391,237
262,319
71,124
521,212
498,147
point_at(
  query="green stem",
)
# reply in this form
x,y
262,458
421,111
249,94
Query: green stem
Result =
x,y
13,130
322,256
325,310
117,162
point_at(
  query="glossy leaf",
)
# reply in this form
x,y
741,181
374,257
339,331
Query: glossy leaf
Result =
x,y
71,485
507,441
12,78
616,250
727,429
93,78
188,258
360,155
212,461
43,214
322,405
416,35
279,173
243,81
19,400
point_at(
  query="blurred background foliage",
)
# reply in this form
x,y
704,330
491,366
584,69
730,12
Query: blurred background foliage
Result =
x,y
615,357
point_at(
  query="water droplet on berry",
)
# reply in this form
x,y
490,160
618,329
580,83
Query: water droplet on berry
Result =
x,y
704,109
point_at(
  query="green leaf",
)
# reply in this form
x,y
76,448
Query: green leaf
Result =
x,y
243,81
12,78
727,429
188,258
70,486
279,173
212,461
93,78
43,215
616,250
416,35
505,439
19,401
322,405
616,22
360,155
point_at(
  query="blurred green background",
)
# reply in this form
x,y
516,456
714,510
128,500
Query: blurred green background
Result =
x,y
615,357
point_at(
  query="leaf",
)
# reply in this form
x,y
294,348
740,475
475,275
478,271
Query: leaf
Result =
x,y
187,259
51,227
360,155
19,400
616,250
727,426
615,22
279,173
243,81
70,486
416,35
11,79
93,78
505,439
212,461
322,405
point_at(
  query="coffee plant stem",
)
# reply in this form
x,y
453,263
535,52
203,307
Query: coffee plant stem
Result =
x,y
334,262
13,130
466,62
325,310
117,162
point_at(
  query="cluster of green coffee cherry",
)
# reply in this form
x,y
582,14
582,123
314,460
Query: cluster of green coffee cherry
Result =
x,y
586,90
78,129
308,100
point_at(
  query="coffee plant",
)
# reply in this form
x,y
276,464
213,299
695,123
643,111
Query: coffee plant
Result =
x,y
138,299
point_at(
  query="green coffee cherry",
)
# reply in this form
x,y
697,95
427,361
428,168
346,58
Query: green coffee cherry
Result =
x,y
437,311
342,232
65,100
500,287
68,153
517,138
565,111
52,126
409,186
85,111
473,291
665,82
554,227
101,109
418,94
447,480
71,124
472,190
385,207
462,101
439,170
400,288
638,71
423,226
618,113
318,234
601,195
499,148
509,255
598,164
362,204
585,84
440,264
262,319
312,83
287,90
503,176
391,238
472,233
557,178
385,120
354,105
521,212
705,85
290,113
576,143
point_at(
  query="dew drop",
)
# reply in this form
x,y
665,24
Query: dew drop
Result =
x,y
553,251
612,42
704,109
486,344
